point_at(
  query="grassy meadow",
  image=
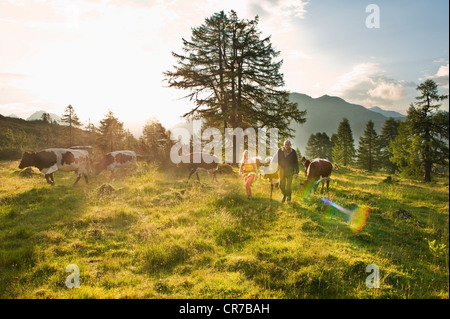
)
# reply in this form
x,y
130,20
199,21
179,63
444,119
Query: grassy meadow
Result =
x,y
156,235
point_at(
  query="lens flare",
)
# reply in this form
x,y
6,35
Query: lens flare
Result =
x,y
356,217
307,188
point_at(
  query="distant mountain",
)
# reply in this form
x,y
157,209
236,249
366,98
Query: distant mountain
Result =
x,y
326,112
38,116
388,114
14,116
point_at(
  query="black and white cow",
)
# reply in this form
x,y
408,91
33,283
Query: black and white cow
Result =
x,y
51,160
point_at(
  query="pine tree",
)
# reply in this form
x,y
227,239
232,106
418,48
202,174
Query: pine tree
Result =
x,y
72,120
233,77
344,145
404,156
155,141
388,133
319,145
46,117
369,151
429,133
111,132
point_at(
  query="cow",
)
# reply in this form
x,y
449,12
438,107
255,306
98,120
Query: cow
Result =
x,y
207,162
317,171
87,148
117,159
268,169
306,163
51,160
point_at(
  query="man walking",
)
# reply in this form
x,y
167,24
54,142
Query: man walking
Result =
x,y
288,169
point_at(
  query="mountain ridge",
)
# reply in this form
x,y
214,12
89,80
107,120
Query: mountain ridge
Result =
x,y
326,112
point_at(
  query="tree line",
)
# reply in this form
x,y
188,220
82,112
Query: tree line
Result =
x,y
110,135
410,148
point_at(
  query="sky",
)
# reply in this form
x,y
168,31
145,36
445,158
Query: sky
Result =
x,y
100,55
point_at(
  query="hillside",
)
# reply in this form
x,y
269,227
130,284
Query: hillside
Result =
x,y
151,234
326,112
18,135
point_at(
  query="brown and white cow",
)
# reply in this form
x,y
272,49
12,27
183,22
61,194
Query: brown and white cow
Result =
x,y
317,171
117,159
207,162
51,160
89,149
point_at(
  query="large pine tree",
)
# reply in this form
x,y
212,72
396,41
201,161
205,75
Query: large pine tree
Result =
x,y
233,76
344,144
428,129
369,150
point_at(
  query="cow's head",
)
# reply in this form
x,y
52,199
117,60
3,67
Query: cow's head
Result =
x,y
28,159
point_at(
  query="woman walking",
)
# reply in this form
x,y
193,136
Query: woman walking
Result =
x,y
249,171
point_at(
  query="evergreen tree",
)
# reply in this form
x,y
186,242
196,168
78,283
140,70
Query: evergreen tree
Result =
x,y
111,133
388,133
299,154
130,142
46,117
233,77
155,141
319,145
404,156
369,151
344,145
429,133
72,120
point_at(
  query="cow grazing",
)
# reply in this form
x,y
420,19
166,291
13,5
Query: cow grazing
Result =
x,y
117,159
268,169
208,162
317,171
51,160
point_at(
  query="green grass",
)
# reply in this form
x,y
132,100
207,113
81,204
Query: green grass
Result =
x,y
158,236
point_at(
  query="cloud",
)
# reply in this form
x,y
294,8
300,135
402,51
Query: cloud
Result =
x,y
284,8
385,90
368,84
279,15
441,60
8,78
295,54
441,77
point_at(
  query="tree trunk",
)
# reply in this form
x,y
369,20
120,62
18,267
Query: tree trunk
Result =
x,y
427,176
